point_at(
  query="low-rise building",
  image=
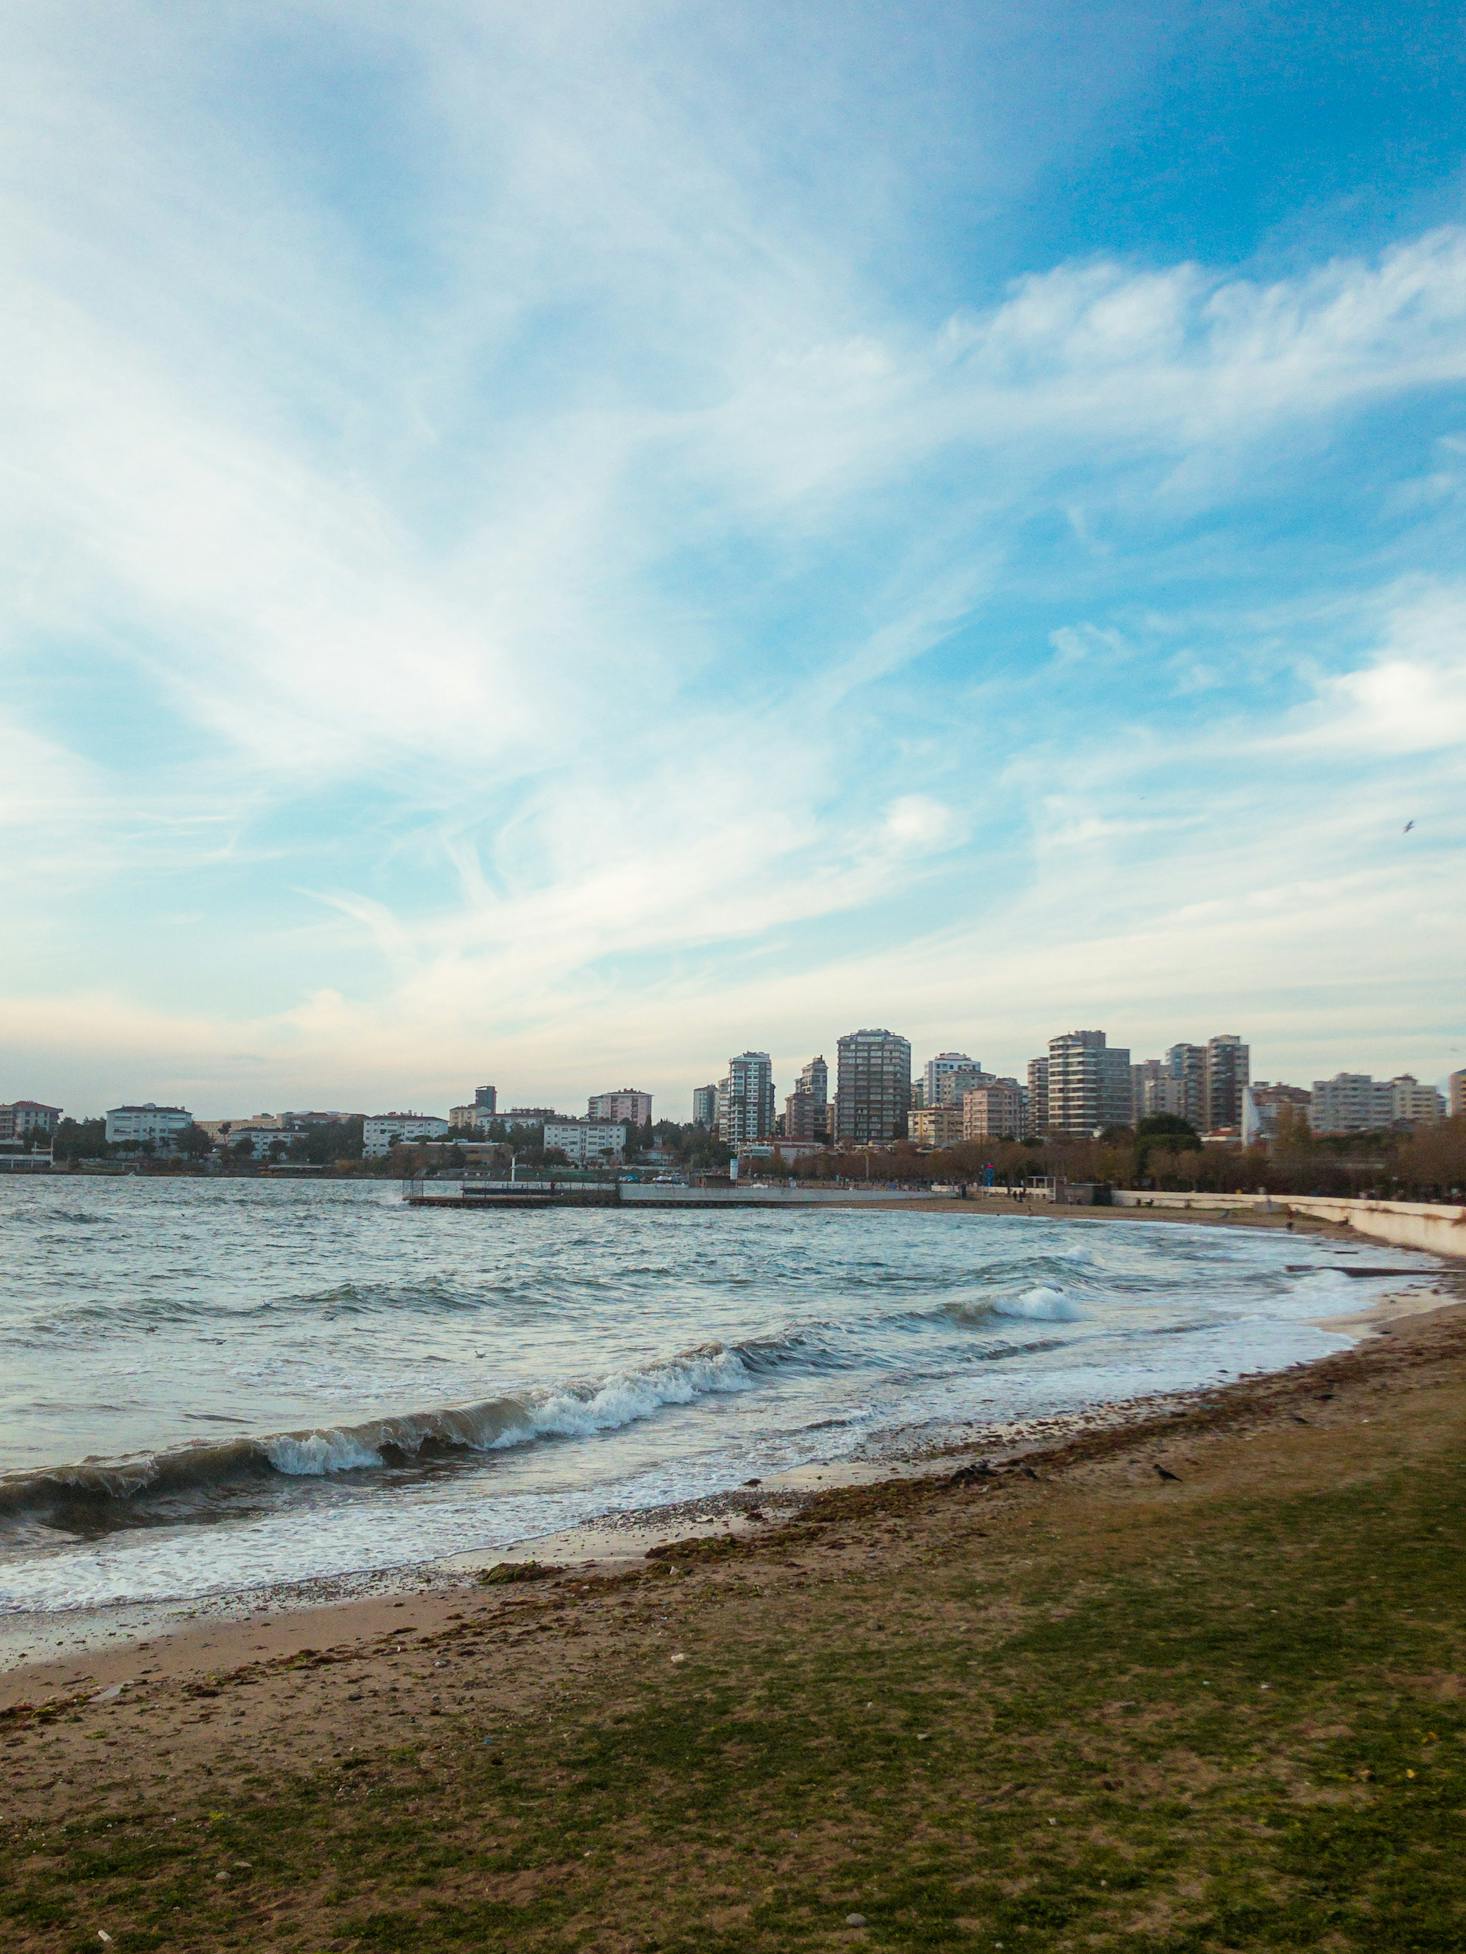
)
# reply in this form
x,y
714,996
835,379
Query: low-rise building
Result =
x,y
28,1123
263,1138
934,1126
996,1111
585,1140
1412,1104
150,1128
382,1131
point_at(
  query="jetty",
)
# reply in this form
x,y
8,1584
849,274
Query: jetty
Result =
x,y
485,1194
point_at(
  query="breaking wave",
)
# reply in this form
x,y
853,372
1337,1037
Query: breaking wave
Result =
x,y
96,1497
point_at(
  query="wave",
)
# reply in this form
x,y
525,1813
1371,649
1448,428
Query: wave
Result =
x,y
1041,1303
163,1488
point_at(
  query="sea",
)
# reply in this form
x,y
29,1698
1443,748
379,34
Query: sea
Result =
x,y
209,1386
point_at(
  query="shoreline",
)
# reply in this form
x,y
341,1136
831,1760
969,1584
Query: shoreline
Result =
x,y
102,1648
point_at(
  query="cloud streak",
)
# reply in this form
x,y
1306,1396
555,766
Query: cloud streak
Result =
x,y
585,602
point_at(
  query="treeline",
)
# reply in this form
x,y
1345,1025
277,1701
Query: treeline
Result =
x,y
1165,1155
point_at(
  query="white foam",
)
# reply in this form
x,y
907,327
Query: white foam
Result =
x,y
1041,1304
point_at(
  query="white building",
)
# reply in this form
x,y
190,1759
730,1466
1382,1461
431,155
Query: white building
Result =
x,y
1412,1104
26,1122
261,1137
381,1132
585,1140
635,1108
1353,1102
746,1100
138,1126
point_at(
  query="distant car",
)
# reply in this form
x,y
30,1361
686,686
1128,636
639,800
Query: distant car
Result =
x,y
669,1180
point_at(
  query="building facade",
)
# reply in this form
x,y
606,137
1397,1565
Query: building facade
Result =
x,y
872,1087
1186,1069
28,1123
1089,1083
1456,1085
1153,1090
995,1111
1412,1104
705,1106
486,1099
1038,1095
946,1077
934,1126
585,1141
807,1109
1264,1106
380,1132
156,1127
1227,1071
626,1104
746,1100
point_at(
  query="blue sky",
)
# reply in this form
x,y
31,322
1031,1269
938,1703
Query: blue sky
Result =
x,y
552,543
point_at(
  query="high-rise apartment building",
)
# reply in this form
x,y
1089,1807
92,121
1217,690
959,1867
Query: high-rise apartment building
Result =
x,y
486,1099
1227,1070
746,1100
1457,1088
807,1109
627,1105
1089,1083
947,1076
705,1106
995,1111
1186,1069
873,1086
1038,1095
1153,1090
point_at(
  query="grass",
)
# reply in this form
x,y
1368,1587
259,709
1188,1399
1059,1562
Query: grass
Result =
x,y
1237,1726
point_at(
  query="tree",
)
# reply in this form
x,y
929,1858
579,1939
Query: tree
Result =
x,y
80,1139
193,1143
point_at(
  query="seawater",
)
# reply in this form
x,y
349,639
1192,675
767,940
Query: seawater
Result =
x,y
213,1385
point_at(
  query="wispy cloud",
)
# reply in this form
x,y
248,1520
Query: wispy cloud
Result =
x,y
607,605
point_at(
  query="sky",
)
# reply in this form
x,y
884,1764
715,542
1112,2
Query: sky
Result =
x,y
550,544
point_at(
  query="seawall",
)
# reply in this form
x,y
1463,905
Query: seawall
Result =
x,y
1436,1228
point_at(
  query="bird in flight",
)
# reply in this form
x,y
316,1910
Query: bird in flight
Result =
x,y
1408,826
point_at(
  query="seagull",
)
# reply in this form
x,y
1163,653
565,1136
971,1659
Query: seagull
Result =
x,y
1407,827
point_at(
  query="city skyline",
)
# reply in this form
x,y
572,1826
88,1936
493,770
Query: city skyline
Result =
x,y
576,542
